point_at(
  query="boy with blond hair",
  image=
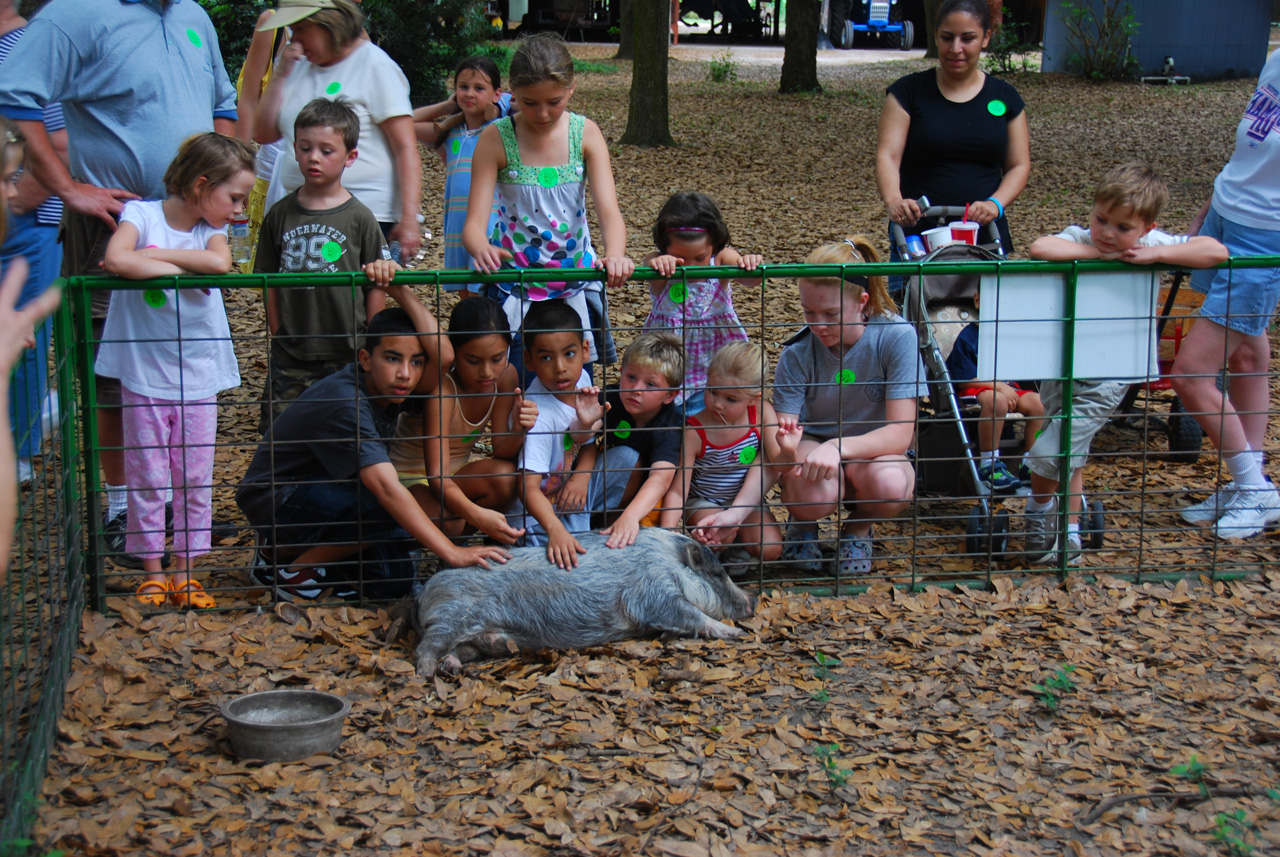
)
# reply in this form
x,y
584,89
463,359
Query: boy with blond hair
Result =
x,y
643,432
1121,226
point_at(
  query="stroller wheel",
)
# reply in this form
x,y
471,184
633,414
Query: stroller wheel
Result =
x,y
1000,532
1097,523
1185,434
975,534
986,533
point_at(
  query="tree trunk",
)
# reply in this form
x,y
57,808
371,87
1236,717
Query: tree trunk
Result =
x,y
647,121
800,47
626,30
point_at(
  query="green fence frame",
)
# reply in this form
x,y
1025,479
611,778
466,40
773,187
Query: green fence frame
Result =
x,y
41,602
78,290
27,722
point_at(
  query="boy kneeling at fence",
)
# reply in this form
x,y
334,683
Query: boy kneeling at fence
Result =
x,y
321,487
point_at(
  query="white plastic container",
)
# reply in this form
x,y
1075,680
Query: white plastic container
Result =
x,y
937,237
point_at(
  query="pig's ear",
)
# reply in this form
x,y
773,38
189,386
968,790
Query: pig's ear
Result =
x,y
699,557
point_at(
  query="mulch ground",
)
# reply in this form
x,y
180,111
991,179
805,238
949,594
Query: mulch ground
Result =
x,y
890,723
885,723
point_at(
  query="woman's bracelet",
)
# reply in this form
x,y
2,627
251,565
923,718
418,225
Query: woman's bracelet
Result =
x,y
999,207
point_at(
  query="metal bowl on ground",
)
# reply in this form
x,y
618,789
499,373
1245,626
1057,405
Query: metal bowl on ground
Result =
x,y
285,725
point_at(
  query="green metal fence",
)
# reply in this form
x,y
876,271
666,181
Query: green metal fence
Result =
x,y
931,544
41,600
1139,484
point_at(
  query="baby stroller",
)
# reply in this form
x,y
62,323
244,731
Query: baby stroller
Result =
x,y
941,306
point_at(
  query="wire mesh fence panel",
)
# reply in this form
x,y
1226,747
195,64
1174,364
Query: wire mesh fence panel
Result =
x,y
839,452
816,435
42,593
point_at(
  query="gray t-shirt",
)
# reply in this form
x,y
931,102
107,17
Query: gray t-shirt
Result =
x,y
844,397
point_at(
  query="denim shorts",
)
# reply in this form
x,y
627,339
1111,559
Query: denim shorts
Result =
x,y
1243,299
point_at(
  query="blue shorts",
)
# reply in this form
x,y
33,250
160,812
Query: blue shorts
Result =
x,y
1243,299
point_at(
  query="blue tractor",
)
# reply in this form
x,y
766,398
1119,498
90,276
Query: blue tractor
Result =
x,y
882,18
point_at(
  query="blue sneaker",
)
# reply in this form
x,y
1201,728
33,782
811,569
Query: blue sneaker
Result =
x,y
802,550
998,478
855,553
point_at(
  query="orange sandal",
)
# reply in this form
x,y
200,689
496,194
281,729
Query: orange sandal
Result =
x,y
155,598
191,594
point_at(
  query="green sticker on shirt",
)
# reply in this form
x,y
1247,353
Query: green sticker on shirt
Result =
x,y
194,37
848,376
455,146
677,293
331,251
333,88
623,430
155,298
568,441
747,455
996,107
548,176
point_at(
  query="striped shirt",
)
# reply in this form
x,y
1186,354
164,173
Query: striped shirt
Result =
x,y
719,471
49,212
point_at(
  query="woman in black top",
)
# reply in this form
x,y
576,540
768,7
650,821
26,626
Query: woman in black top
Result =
x,y
954,133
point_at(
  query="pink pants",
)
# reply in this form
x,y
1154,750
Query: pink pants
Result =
x,y
169,443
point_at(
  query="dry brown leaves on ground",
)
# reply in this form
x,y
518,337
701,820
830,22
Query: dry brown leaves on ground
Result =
x,y
889,723
920,734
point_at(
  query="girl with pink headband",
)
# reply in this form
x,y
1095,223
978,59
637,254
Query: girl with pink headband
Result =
x,y
690,232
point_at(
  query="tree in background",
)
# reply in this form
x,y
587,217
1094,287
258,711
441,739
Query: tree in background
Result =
x,y
234,23
800,47
648,122
626,44
428,38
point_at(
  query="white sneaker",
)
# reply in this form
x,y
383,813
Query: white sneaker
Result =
x,y
49,415
1075,549
26,471
1249,511
1211,508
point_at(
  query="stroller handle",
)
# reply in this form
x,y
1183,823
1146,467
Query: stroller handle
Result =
x,y
944,214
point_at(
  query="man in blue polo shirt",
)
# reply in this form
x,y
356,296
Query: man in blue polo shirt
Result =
x,y
135,78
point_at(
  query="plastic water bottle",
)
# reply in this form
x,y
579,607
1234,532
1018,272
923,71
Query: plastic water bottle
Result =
x,y
238,238
394,248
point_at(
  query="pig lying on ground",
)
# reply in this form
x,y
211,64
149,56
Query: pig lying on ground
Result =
x,y
664,584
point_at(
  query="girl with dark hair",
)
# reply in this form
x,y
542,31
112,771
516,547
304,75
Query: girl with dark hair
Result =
x,y
690,232
953,133
453,126
479,392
